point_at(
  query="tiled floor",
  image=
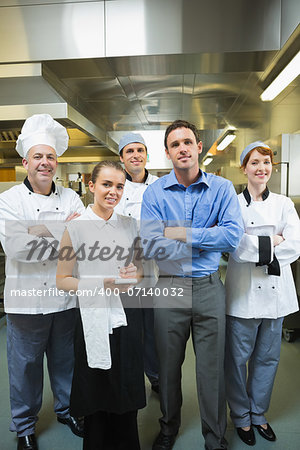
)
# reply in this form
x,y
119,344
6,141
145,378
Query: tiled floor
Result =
x,y
284,413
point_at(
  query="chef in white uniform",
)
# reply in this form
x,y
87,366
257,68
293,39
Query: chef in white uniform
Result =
x,y
133,154
40,320
260,291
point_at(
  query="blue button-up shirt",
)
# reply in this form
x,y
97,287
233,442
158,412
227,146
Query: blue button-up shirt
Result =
x,y
210,211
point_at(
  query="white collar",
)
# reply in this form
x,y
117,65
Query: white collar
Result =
x,y
112,221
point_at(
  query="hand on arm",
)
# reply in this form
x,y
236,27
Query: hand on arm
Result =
x,y
58,227
277,239
157,241
176,233
224,229
40,231
72,216
64,272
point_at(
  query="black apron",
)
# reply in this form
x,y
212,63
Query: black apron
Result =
x,y
119,389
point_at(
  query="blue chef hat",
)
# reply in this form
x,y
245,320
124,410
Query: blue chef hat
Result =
x,y
251,147
130,138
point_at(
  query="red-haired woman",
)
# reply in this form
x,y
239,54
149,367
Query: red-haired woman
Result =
x,y
260,292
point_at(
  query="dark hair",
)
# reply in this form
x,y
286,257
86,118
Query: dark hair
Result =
x,y
262,150
181,124
102,165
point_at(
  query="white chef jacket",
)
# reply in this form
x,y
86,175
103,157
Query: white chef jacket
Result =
x,y
250,291
131,205
30,286
131,201
101,310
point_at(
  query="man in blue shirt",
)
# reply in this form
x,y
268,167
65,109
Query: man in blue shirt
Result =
x,y
188,218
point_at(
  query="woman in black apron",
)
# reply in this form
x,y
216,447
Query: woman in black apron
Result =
x,y
108,394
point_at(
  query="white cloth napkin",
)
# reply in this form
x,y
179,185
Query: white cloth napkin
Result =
x,y
100,314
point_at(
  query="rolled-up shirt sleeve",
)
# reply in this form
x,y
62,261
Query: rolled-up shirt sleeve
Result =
x,y
226,234
155,245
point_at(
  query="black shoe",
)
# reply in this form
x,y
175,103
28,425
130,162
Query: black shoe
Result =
x,y
155,388
267,433
248,437
27,442
164,442
76,425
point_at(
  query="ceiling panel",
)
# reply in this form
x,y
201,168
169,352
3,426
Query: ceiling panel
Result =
x,y
136,93
212,105
93,89
113,107
81,68
26,90
220,84
162,106
153,86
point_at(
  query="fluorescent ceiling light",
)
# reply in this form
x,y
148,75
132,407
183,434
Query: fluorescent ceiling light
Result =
x,y
225,141
286,76
207,161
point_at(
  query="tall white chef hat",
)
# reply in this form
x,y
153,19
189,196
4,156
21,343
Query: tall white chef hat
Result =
x,y
42,129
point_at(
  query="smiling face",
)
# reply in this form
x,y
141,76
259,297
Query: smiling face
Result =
x,y
134,157
258,169
107,190
183,150
41,164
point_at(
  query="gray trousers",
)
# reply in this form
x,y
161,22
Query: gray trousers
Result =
x,y
28,338
150,356
200,310
256,342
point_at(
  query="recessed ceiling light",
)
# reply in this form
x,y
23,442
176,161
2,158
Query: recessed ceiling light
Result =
x,y
286,76
225,141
